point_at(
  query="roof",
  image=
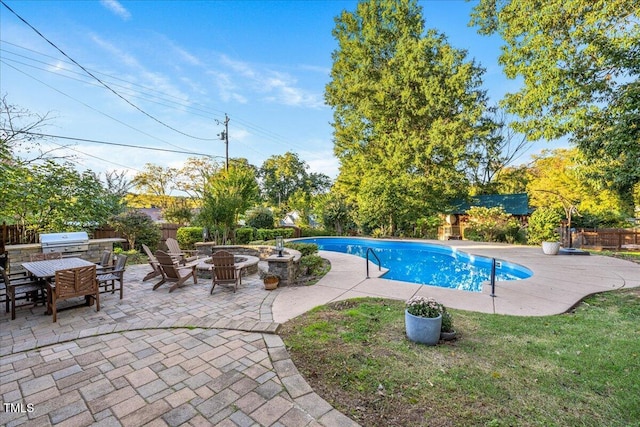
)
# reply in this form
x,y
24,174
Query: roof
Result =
x,y
514,204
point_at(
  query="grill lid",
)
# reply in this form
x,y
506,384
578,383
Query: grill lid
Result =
x,y
62,239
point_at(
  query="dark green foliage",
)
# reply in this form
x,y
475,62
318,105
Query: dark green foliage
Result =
x,y
304,248
313,232
260,217
543,225
188,236
313,264
137,228
244,235
271,234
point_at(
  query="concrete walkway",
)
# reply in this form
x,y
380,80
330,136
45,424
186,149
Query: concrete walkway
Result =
x,y
188,358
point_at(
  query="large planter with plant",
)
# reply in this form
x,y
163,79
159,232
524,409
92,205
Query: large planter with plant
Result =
x,y
423,320
550,248
270,281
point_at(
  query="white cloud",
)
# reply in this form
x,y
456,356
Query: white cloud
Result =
x,y
279,87
115,7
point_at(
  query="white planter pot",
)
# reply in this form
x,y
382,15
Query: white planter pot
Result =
x,y
550,248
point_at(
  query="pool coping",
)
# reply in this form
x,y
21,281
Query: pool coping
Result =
x,y
558,282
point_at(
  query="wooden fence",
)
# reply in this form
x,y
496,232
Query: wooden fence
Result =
x,y
612,238
19,235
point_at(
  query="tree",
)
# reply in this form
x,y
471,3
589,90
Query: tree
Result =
x,y
194,175
494,152
282,175
559,179
334,212
20,130
407,114
228,194
55,197
580,62
156,180
138,228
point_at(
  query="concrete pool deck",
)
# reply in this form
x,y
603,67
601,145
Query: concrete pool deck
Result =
x,y
189,358
558,283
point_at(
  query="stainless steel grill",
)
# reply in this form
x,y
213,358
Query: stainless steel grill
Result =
x,y
67,243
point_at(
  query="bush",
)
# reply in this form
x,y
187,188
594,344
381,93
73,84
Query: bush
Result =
x,y
492,225
188,236
138,228
260,217
313,264
543,225
304,248
314,232
271,234
244,235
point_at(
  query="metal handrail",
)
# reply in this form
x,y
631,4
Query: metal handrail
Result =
x,y
376,256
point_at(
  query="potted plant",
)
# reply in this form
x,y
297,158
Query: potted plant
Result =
x,y
270,281
447,333
423,320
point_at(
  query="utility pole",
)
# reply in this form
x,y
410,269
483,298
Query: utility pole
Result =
x,y
224,136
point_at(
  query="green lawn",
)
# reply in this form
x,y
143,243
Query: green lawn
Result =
x,y
581,368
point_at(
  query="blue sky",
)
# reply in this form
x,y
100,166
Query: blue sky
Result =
x,y
186,64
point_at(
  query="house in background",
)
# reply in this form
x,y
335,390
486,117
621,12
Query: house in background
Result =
x,y
514,204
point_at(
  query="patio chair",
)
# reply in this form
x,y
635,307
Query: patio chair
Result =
x,y
108,276
53,255
18,286
184,256
173,272
71,283
38,256
105,259
153,262
224,271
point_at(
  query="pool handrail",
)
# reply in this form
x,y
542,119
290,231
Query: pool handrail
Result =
x,y
376,256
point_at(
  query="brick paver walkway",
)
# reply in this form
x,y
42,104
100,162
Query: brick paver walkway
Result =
x,y
156,359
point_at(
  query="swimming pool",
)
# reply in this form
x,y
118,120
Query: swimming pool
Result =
x,y
425,263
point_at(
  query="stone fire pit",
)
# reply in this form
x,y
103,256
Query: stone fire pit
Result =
x,y
247,264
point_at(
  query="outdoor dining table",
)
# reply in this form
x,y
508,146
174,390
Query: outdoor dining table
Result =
x,y
46,270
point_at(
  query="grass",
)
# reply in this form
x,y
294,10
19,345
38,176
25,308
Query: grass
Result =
x,y
580,368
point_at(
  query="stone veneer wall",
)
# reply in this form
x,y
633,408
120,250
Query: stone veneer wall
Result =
x,y
286,267
21,253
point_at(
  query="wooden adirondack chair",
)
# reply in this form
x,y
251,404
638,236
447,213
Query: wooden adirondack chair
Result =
x,y
173,272
224,270
184,256
153,262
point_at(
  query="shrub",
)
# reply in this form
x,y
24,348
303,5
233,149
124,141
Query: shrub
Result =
x,y
244,235
313,264
260,217
304,248
313,232
188,236
138,228
543,224
491,225
271,234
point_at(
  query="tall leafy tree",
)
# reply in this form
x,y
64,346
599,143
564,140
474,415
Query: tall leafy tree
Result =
x,y
407,108
559,179
228,194
157,181
283,175
579,61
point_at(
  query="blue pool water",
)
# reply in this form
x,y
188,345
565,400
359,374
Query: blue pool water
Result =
x,y
424,263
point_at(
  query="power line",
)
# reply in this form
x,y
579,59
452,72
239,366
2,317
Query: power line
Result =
x,y
166,150
90,107
100,81
206,110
